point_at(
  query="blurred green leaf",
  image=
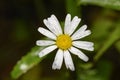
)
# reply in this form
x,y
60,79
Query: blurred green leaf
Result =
x,y
86,65
104,69
27,62
100,30
99,25
72,8
32,74
114,36
113,4
118,46
101,71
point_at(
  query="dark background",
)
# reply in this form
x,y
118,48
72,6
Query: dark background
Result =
x,y
19,20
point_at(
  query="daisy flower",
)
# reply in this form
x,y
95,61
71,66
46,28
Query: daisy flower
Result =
x,y
67,41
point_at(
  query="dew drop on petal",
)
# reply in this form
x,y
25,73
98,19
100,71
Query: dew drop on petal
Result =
x,y
24,67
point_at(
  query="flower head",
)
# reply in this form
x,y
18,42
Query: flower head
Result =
x,y
67,41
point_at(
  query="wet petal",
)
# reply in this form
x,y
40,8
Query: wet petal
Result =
x,y
67,23
73,25
46,33
68,60
83,45
58,60
50,27
80,54
44,42
55,24
47,50
81,35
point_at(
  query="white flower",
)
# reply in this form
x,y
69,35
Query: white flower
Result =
x,y
67,41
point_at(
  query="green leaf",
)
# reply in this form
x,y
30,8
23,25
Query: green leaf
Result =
x,y
114,36
72,8
113,4
27,62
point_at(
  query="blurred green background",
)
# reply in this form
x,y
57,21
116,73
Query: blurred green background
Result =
x,y
20,19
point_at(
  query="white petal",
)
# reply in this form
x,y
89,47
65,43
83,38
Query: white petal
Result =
x,y
73,25
81,35
81,29
44,42
46,33
59,27
68,60
67,23
80,54
55,25
58,60
83,45
47,50
50,27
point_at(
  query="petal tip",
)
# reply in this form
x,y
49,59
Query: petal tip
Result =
x,y
39,55
39,29
44,21
86,59
37,43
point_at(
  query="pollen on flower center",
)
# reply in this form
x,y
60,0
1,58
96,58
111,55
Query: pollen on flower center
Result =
x,y
64,41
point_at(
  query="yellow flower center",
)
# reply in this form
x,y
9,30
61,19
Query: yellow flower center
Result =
x,y
64,41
